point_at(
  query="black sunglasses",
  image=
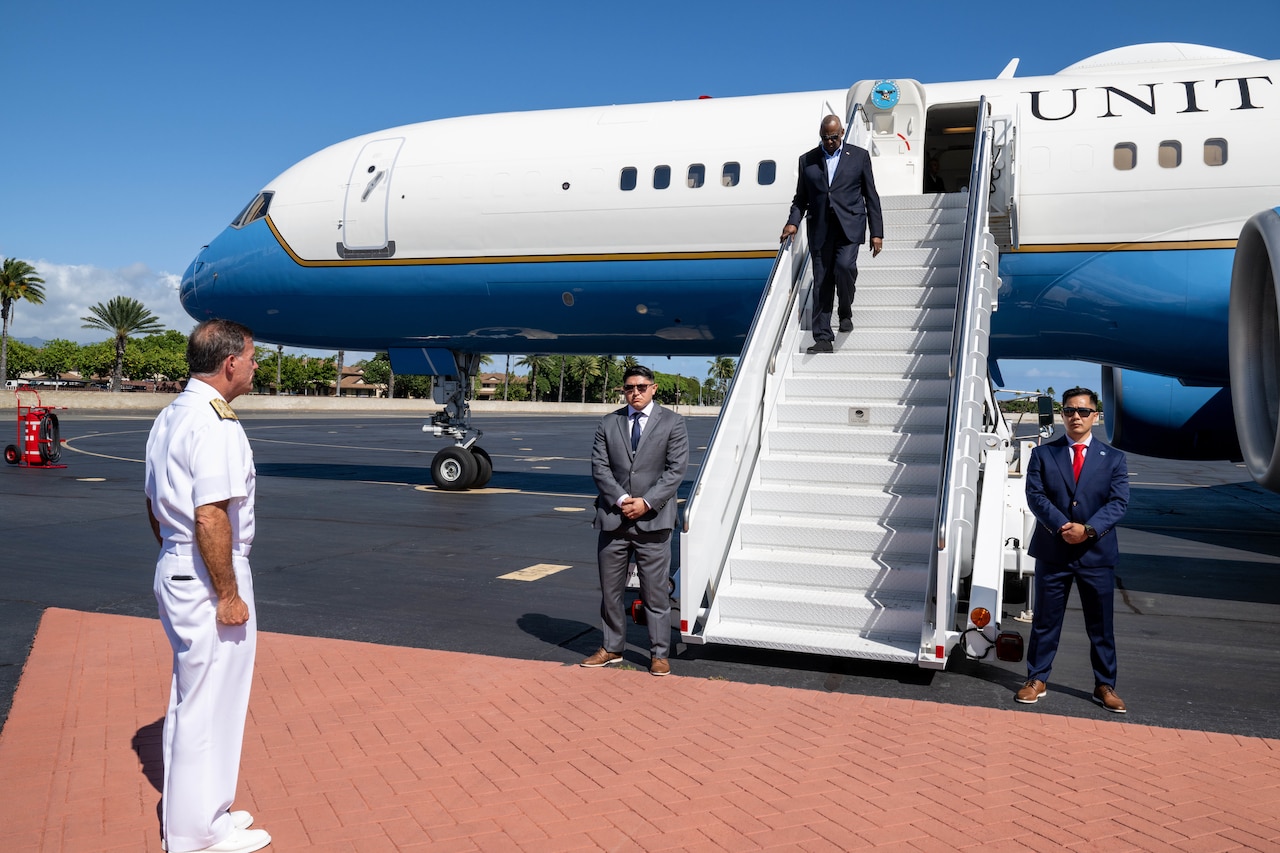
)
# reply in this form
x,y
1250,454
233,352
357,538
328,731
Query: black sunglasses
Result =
x,y
636,387
1083,412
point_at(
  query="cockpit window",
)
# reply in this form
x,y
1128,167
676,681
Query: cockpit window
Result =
x,y
253,211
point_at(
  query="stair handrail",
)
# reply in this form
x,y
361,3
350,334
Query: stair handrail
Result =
x,y
960,462
736,438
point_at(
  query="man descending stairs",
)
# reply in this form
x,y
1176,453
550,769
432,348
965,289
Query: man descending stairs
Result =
x,y
832,547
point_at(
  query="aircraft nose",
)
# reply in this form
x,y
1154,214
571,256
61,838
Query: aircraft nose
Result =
x,y
199,276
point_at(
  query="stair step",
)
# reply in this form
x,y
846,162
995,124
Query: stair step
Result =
x,y
906,296
867,645
827,413
915,319
873,274
850,360
867,390
874,505
925,201
836,536
903,255
774,567
853,441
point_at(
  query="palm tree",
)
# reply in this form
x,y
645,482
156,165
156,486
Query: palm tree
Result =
x,y
606,370
122,316
18,280
585,368
722,370
534,363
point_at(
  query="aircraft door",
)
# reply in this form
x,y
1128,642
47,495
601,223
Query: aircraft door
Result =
x,y
365,211
894,112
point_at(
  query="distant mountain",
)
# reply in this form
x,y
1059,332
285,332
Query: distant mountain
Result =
x,y
32,342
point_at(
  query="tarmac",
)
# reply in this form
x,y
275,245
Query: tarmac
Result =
x,y
375,746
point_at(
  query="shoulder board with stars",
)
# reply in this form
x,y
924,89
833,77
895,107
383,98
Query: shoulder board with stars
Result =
x,y
224,410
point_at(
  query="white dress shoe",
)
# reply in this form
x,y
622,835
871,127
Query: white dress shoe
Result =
x,y
241,841
240,819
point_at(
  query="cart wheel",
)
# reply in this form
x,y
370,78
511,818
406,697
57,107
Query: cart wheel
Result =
x,y
49,439
11,455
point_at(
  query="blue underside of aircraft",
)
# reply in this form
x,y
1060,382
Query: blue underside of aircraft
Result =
x,y
1160,311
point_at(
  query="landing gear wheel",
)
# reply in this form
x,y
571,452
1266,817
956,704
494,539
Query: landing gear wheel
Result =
x,y
11,455
484,467
453,469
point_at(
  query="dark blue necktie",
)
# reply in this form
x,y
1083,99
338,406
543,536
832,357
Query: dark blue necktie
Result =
x,y
635,431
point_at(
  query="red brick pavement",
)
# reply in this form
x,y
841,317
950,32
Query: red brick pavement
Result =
x,y
358,747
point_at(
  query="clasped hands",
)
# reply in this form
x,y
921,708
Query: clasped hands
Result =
x,y
1073,533
633,508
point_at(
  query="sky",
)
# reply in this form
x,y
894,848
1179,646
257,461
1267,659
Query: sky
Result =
x,y
136,131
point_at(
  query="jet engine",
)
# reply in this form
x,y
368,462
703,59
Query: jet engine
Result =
x,y
1159,416
1253,323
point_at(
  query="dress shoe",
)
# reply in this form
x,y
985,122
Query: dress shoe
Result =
x,y
240,841
1032,691
820,346
239,819
846,324
601,658
659,666
1107,698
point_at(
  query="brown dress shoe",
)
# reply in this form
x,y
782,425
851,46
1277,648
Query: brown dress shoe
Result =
x,y
1031,692
1107,698
601,658
659,666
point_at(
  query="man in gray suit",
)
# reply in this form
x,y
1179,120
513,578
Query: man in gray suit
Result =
x,y
638,461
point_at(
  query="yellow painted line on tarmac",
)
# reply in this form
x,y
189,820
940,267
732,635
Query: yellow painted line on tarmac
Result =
x,y
570,508
537,571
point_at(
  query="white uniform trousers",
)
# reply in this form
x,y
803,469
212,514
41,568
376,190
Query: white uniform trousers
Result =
x,y
208,701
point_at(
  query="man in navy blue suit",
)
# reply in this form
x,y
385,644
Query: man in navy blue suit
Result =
x,y
1078,490
838,192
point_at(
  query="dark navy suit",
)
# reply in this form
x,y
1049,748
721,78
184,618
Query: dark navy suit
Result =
x,y
839,213
1099,499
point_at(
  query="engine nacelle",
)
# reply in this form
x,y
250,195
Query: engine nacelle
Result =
x,y
1159,416
1253,324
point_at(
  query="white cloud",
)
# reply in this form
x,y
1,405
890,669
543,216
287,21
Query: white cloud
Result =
x,y
69,291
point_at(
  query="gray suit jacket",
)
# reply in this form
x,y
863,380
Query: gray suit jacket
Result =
x,y
654,472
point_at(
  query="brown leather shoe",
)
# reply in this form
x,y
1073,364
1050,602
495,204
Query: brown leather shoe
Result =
x,y
659,666
601,658
1107,698
1031,692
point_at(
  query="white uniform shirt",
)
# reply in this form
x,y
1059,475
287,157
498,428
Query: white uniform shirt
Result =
x,y
196,457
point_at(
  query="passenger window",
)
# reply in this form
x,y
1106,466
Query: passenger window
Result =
x,y
766,173
1170,154
628,178
1126,156
1215,152
697,175
661,177
730,175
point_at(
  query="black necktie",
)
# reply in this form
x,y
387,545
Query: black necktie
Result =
x,y
635,431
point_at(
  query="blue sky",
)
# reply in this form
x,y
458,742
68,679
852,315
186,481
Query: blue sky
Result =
x,y
136,131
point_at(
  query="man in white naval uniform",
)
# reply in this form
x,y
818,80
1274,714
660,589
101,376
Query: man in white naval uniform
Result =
x,y
200,489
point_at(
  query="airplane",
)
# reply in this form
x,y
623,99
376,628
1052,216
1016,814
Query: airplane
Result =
x,y
1137,188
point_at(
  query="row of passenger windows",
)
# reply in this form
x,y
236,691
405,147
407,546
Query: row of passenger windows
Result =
x,y
1169,154
730,175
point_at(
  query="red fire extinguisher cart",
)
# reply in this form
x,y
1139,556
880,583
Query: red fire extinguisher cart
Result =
x,y
39,443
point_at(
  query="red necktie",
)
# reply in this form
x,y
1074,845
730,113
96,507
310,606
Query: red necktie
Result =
x,y
1078,462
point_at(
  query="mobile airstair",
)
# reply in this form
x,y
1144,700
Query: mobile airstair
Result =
x,y
854,504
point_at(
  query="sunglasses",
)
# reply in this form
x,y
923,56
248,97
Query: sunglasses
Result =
x,y
1083,412
630,388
